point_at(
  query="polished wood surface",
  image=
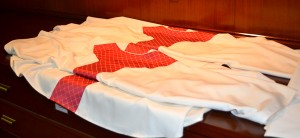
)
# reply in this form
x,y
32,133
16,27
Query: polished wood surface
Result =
x,y
25,123
268,17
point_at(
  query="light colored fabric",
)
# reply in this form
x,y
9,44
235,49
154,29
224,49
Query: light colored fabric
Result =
x,y
70,46
116,110
226,90
256,54
286,122
185,90
295,79
50,56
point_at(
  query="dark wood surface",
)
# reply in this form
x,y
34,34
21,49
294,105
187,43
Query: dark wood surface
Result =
x,y
16,25
274,18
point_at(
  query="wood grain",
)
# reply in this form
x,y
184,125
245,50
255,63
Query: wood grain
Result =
x,y
269,17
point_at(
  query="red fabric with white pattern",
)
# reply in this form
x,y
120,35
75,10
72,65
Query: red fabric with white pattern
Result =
x,y
163,36
69,90
112,58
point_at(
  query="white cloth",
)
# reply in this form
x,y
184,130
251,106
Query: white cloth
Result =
x,y
246,94
50,56
70,46
286,122
255,54
116,110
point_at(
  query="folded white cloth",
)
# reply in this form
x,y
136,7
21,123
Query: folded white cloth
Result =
x,y
70,46
286,122
116,110
158,102
256,54
246,94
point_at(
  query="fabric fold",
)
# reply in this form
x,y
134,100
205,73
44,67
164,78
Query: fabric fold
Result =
x,y
149,80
